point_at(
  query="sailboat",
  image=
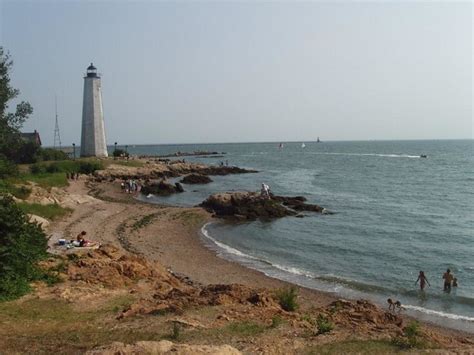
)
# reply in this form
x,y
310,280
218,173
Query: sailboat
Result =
x,y
280,146
303,145
318,141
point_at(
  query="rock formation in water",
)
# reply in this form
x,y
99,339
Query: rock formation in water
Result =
x,y
196,179
251,205
162,188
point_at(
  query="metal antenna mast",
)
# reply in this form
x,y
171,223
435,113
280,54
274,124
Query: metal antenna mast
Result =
x,y
57,137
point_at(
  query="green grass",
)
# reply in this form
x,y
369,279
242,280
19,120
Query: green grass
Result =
x,y
52,211
46,180
21,192
245,328
375,347
131,163
55,326
118,303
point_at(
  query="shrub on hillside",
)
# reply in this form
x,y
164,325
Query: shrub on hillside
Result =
x,y
22,245
324,325
287,298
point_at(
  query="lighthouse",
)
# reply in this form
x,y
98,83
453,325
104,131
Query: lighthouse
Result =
x,y
93,142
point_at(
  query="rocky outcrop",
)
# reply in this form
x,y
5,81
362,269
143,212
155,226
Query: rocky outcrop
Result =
x,y
162,188
251,205
163,347
224,170
196,179
159,170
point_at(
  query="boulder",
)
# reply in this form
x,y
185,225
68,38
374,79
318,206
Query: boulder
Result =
x,y
251,205
162,188
196,179
43,222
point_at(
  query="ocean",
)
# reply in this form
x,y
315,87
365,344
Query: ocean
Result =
x,y
395,214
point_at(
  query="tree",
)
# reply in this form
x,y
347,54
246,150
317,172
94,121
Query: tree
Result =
x,y
22,245
10,122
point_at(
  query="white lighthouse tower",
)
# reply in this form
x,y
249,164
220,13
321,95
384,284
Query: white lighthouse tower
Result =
x,y
93,142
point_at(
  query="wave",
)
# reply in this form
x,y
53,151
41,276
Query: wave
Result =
x,y
223,246
371,155
439,313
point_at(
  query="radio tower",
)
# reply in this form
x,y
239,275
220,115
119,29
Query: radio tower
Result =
x,y
57,137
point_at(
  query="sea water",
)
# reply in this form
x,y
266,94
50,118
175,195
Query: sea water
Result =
x,y
395,214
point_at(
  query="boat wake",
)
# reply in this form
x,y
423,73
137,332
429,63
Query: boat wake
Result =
x,y
371,155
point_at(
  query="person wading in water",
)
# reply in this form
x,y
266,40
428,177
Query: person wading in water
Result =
x,y
423,280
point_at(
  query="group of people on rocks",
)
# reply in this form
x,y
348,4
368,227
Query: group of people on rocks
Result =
x,y
449,281
130,186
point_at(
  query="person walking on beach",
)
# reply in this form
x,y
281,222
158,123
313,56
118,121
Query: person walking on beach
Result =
x,y
448,278
423,280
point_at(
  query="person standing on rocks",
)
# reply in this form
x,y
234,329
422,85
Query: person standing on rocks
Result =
x,y
423,280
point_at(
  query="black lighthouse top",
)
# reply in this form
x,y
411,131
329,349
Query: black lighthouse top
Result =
x,y
91,71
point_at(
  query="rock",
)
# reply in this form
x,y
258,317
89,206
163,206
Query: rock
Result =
x,y
179,187
43,222
251,205
225,170
162,188
196,179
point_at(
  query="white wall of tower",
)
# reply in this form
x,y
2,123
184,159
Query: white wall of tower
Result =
x,y
93,142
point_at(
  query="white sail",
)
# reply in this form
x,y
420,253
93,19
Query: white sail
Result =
x,y
303,145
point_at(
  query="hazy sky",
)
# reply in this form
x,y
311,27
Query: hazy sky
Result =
x,y
181,72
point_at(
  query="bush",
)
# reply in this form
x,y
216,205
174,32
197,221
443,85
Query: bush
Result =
x,y
287,298
50,154
53,168
22,245
324,325
37,169
89,167
7,168
120,153
67,166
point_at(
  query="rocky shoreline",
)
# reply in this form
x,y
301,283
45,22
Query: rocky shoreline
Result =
x,y
139,287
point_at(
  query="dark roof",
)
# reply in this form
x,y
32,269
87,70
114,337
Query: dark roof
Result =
x,y
91,67
32,137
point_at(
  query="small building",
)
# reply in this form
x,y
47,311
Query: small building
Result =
x,y
32,137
